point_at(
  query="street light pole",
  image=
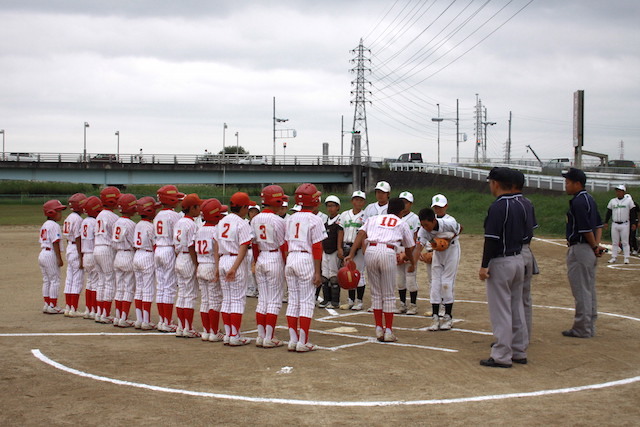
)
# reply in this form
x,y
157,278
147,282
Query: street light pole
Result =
x,y
237,144
224,133
118,146
2,132
84,154
484,148
439,121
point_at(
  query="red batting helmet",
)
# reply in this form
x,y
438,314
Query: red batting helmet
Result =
x,y
349,276
109,197
92,206
128,204
147,206
308,195
169,195
273,195
75,202
51,207
212,210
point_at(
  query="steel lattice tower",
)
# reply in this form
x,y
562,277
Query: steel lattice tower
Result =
x,y
360,96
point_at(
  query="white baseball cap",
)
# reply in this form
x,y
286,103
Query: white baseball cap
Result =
x,y
255,207
285,204
296,208
407,196
383,186
359,193
333,199
621,187
439,200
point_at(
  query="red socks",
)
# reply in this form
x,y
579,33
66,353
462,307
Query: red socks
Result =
x,y
214,321
377,317
305,324
388,320
204,318
236,322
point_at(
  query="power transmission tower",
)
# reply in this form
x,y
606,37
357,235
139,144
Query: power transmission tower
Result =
x,y
507,154
479,129
360,97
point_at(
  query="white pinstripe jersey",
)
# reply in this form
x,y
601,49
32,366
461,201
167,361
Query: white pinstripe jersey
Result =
x,y
268,231
231,232
351,223
144,237
184,233
104,227
71,227
87,235
123,234
303,230
49,234
388,229
163,226
205,244
620,208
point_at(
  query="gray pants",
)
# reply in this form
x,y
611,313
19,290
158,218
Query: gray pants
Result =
x,y
581,269
529,262
504,295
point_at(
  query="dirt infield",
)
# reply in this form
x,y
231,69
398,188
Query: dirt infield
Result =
x,y
91,376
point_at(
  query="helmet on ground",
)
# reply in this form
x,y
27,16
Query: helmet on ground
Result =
x,y
212,210
92,206
333,199
51,207
348,276
128,204
308,195
76,200
273,195
169,195
147,206
109,197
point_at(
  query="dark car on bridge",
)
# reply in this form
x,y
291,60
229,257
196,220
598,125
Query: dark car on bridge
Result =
x,y
105,158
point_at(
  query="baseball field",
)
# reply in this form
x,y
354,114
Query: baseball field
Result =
x,y
65,371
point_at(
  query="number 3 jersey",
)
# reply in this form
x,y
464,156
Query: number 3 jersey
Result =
x,y
268,231
388,229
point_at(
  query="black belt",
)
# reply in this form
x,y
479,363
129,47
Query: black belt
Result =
x,y
304,252
623,222
506,254
228,254
272,250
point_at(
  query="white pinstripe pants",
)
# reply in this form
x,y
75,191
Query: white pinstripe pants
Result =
x,y
302,292
234,293
210,290
381,272
270,279
145,271
104,256
125,276
50,273
75,275
165,258
186,277
91,271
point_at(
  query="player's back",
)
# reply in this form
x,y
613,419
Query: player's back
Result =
x,y
104,227
205,246
303,230
268,231
184,232
163,225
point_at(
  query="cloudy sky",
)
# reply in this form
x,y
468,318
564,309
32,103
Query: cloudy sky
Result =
x,y
168,74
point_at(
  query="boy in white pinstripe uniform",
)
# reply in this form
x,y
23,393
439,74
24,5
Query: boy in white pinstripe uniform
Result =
x,y
234,236
75,272
92,206
210,290
104,253
184,233
269,249
304,235
165,256
123,235
384,233
50,258
143,262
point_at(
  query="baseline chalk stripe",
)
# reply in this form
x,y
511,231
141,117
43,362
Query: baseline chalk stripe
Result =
x,y
53,363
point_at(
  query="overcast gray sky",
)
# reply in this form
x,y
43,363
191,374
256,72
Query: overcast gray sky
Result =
x,y
168,74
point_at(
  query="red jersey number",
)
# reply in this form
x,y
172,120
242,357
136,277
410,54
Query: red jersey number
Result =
x,y
391,223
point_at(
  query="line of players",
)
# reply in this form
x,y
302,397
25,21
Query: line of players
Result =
x,y
168,256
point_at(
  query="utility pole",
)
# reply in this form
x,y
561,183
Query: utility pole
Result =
x,y
478,126
508,150
360,98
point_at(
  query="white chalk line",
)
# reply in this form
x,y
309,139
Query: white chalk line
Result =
x,y
40,356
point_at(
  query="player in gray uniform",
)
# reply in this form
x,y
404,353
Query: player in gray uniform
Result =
x,y
584,230
621,209
383,191
350,222
503,269
405,279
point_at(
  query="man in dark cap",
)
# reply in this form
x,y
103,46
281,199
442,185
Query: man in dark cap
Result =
x,y
584,230
503,269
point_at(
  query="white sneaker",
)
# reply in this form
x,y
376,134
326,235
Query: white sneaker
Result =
x,y
204,336
435,325
303,348
380,334
190,333
179,332
292,345
271,343
402,309
357,306
389,337
216,337
123,323
370,310
347,306
626,260
611,261
447,323
225,339
441,311
412,309
137,324
86,314
238,340
147,326
259,342
66,312
45,309
54,310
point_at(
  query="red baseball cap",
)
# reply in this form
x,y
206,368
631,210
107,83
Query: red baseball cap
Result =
x,y
191,200
241,199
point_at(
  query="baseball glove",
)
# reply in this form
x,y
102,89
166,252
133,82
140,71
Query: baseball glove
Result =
x,y
401,258
439,244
